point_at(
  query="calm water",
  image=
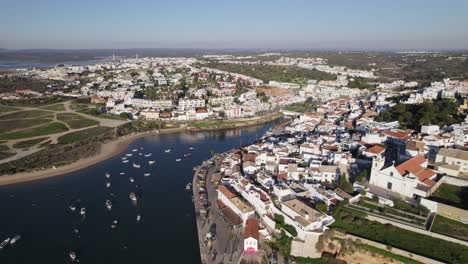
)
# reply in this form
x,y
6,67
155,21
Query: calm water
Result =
x,y
167,232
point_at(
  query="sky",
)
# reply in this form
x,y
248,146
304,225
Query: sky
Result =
x,y
242,24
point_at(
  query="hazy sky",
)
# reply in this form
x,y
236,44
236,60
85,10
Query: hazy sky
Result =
x,y
297,24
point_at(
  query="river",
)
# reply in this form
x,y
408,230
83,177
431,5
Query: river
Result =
x,y
167,232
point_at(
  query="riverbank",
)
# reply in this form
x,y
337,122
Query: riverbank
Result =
x,y
210,125
110,149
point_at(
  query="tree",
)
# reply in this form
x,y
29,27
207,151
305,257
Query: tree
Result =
x,y
345,185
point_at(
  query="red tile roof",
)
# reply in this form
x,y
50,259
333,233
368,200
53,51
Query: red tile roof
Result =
x,y
376,149
226,192
251,228
397,134
413,165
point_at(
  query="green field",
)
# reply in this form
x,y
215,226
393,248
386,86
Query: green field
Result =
x,y
76,121
28,143
8,126
46,129
54,107
24,114
4,148
449,227
83,134
4,109
452,195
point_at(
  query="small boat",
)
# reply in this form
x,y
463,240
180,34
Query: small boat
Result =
x,y
15,239
188,186
136,165
122,173
72,208
114,224
187,155
134,150
72,256
107,175
146,174
138,218
109,205
148,155
133,196
131,179
129,154
108,184
83,211
4,243
124,158
141,154
167,150
151,162
191,148
141,148
125,161
177,160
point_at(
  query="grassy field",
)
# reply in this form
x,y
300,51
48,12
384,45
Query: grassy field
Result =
x,y
449,227
4,148
24,114
76,121
453,195
83,134
8,126
54,107
5,109
46,129
28,143
400,238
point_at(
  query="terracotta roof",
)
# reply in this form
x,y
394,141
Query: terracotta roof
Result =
x,y
251,228
221,205
283,176
376,149
397,134
226,192
412,165
249,157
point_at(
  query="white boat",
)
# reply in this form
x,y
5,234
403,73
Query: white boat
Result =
x,y
107,175
124,158
72,208
191,148
122,173
151,162
83,211
108,184
136,165
134,150
138,217
148,155
125,161
133,196
188,186
72,256
187,155
146,174
129,154
114,224
141,154
131,179
167,150
15,239
109,205
4,243
178,160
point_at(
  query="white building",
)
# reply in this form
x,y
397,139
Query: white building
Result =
x,y
187,104
251,235
453,162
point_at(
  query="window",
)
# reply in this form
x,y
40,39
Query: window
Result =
x,y
391,174
389,185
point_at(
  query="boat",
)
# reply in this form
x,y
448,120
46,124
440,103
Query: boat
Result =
x,y
133,196
188,186
83,211
108,184
146,174
107,175
72,256
178,160
134,150
129,154
124,158
167,150
4,243
15,239
138,217
187,155
141,154
136,165
125,161
148,155
122,173
151,162
109,205
191,148
131,179
72,208
114,224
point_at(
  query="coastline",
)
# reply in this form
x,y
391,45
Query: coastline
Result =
x,y
108,150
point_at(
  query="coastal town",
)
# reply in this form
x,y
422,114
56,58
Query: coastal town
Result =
x,y
352,163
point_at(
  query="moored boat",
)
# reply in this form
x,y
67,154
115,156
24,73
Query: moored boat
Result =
x,y
83,211
136,165
177,160
15,239
131,179
148,155
4,243
167,150
146,174
125,161
138,218
133,196
109,205
72,256
107,175
108,184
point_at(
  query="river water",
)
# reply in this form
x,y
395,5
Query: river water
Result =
x,y
39,211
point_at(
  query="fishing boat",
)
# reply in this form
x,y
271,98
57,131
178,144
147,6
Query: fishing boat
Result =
x,y
124,158
15,239
134,150
133,196
114,224
148,155
122,173
72,208
187,155
136,165
138,218
131,179
177,160
107,175
125,161
4,243
151,162
167,150
109,205
108,184
72,256
83,211
141,154
188,186
146,174
191,148
129,154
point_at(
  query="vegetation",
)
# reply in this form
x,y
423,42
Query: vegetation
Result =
x,y
400,238
414,209
282,244
90,133
385,253
360,83
449,227
47,129
453,195
280,224
24,114
76,121
35,101
4,109
345,185
54,107
9,125
442,112
308,105
28,143
10,84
